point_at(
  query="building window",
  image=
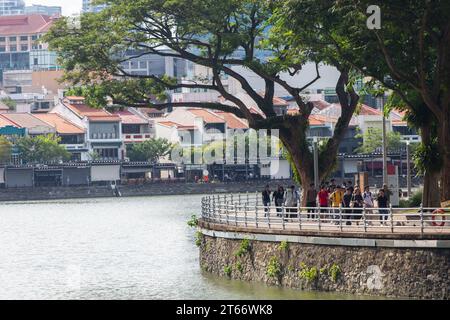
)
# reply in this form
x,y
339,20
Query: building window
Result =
x,y
2,48
12,48
23,38
24,48
13,39
2,39
35,61
34,37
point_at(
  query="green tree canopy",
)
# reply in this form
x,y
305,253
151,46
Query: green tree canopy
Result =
x,y
5,150
151,150
41,149
373,141
209,33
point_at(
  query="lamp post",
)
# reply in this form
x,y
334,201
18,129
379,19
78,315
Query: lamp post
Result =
x,y
316,162
408,169
385,173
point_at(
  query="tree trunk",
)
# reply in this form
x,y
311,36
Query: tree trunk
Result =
x,y
444,148
431,194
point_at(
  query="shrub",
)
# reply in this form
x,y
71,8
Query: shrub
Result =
x,y
335,272
284,246
274,268
416,199
227,270
310,274
198,238
238,266
193,221
244,248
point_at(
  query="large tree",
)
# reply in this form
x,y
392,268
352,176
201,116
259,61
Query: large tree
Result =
x,y
151,150
410,54
207,33
41,149
5,150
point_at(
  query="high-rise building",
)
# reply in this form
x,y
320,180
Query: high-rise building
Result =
x,y
46,10
19,48
88,6
11,7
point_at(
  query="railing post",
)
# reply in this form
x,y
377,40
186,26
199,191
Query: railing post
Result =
x,y
319,213
256,215
340,217
268,217
247,198
227,213
421,219
299,217
235,215
282,216
214,207
392,218
364,218
245,213
239,198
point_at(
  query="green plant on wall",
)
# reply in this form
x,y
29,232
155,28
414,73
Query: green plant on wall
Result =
x,y
243,248
227,270
309,274
274,268
284,246
335,272
238,266
198,238
193,221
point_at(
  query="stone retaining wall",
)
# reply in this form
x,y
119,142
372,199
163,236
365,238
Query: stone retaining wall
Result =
x,y
387,271
151,189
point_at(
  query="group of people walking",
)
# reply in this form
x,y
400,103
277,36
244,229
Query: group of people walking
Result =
x,y
331,201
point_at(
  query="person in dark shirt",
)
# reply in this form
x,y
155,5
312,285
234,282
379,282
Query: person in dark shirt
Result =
x,y
346,201
278,199
266,198
358,203
311,197
382,200
350,185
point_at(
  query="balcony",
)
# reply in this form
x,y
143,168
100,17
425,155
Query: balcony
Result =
x,y
136,137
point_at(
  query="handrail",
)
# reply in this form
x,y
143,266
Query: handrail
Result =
x,y
247,212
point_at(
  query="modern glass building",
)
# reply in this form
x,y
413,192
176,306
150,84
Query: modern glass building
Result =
x,y
88,6
46,10
11,7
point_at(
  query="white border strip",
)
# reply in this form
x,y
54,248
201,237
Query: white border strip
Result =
x,y
348,242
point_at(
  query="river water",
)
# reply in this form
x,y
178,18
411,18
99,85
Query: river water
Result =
x,y
118,248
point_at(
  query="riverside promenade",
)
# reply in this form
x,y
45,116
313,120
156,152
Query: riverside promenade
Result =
x,y
399,253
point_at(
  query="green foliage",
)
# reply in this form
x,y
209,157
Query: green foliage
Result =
x,y
284,246
335,272
227,270
309,274
323,270
416,199
427,156
373,140
243,248
273,268
238,266
193,221
41,149
198,238
5,150
10,103
151,150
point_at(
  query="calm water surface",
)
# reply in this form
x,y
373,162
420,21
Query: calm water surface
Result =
x,y
127,248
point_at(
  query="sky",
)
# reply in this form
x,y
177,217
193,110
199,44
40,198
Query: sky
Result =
x,y
69,7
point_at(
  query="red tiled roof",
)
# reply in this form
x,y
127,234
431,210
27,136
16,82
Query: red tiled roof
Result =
x,y
130,118
176,125
369,111
25,24
62,125
82,110
26,120
233,122
320,104
206,115
4,122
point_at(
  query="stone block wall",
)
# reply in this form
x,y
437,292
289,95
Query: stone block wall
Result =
x,y
392,272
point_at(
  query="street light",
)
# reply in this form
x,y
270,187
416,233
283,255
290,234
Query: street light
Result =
x,y
380,101
408,169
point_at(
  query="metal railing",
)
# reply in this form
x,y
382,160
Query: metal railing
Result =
x,y
247,210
